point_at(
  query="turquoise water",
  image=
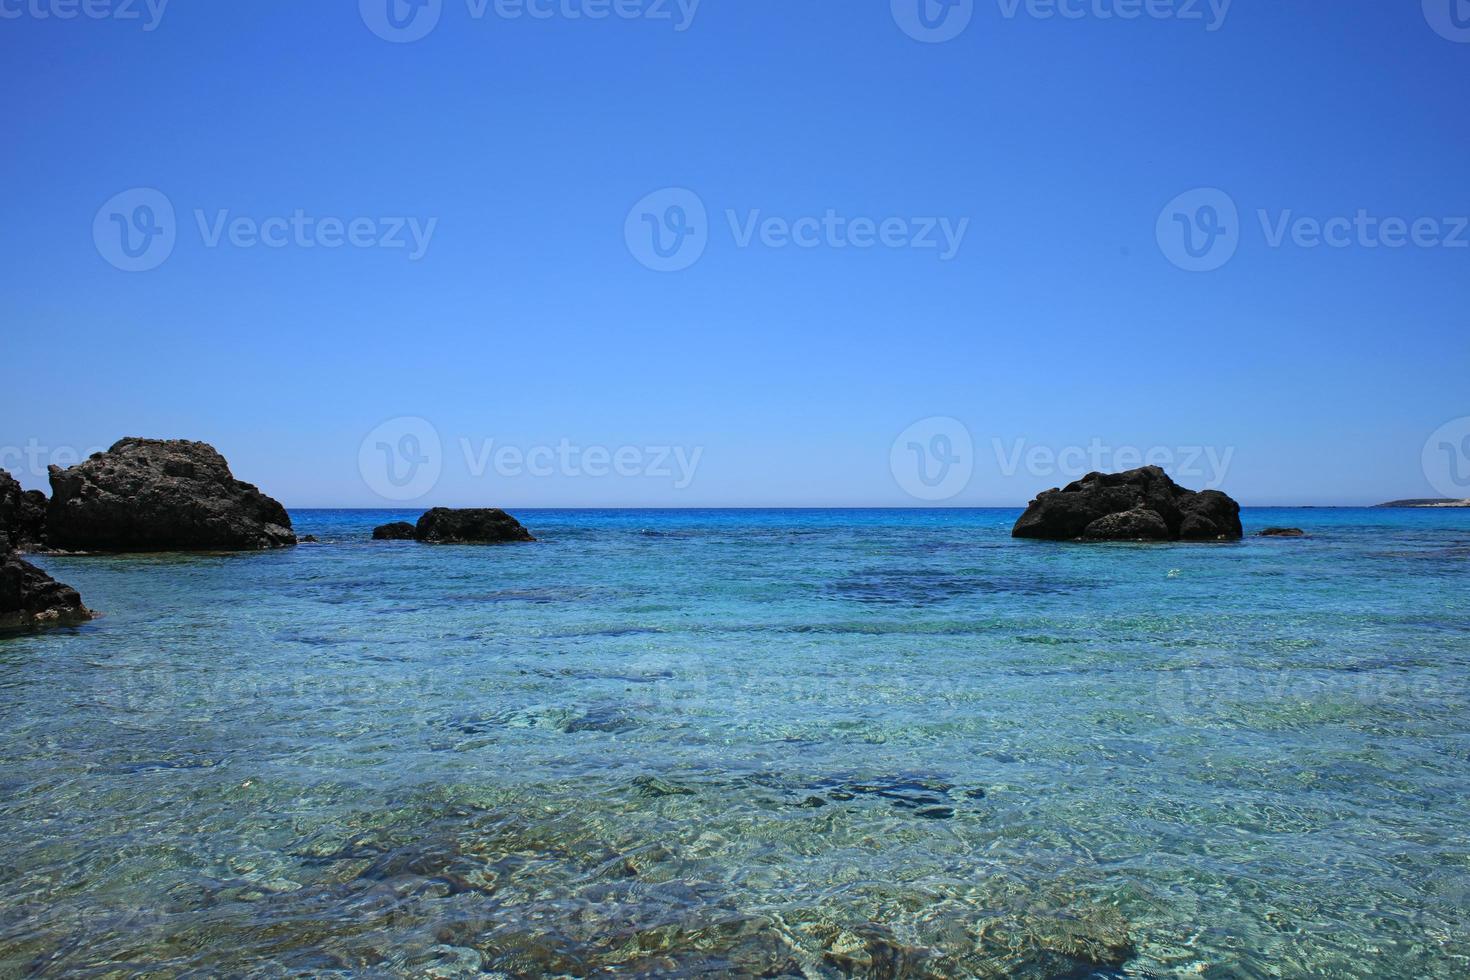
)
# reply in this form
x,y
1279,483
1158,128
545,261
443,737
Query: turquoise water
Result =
x,y
881,743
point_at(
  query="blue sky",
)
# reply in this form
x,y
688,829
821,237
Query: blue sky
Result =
x,y
525,317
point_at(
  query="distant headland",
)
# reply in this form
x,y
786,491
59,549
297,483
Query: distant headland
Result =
x,y
1428,502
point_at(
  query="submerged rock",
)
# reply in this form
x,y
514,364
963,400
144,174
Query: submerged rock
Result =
x,y
471,526
30,597
161,495
22,515
1283,532
397,531
1137,505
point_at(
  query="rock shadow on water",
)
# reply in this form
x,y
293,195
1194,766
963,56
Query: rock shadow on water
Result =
x,y
925,796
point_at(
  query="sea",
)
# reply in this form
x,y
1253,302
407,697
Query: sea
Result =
x,y
819,743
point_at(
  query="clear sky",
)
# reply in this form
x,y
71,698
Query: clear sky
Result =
x,y
984,210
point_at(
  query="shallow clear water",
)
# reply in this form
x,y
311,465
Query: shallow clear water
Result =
x,y
771,742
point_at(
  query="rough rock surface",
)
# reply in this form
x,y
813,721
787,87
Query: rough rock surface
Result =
x,y
484,526
161,495
22,515
1123,507
397,531
1138,524
30,597
1283,532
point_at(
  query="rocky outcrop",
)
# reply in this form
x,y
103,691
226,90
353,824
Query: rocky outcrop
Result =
x,y
484,526
30,597
1137,505
161,495
397,531
1283,532
22,516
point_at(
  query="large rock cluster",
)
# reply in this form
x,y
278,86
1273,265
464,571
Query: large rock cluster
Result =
x,y
28,596
161,495
140,495
1137,505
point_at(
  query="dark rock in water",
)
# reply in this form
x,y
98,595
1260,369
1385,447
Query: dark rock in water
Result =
x,y
22,515
30,597
308,539
161,495
479,526
1283,532
1138,505
655,788
935,812
397,531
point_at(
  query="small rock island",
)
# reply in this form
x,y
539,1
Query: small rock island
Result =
x,y
1136,505
444,525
